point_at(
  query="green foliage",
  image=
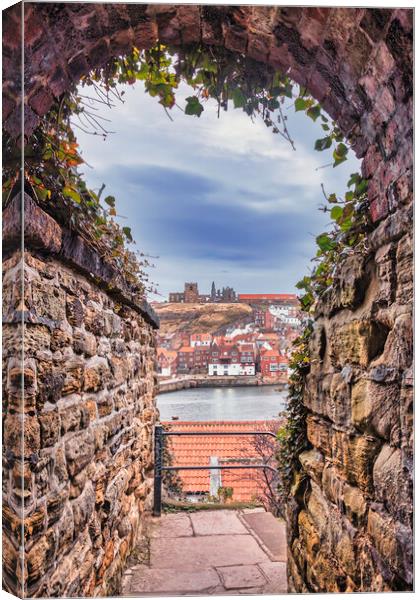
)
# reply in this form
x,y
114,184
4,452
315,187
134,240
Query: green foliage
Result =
x,y
224,493
292,435
52,160
350,225
194,107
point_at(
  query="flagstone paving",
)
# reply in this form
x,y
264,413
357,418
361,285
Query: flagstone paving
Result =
x,y
221,552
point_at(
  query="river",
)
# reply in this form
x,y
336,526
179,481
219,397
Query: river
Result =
x,y
223,404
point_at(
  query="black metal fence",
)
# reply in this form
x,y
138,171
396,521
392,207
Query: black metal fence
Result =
x,y
161,433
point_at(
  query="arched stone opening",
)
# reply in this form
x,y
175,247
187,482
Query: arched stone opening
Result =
x,y
354,504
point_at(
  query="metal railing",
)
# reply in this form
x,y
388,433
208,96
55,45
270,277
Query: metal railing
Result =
x,y
161,433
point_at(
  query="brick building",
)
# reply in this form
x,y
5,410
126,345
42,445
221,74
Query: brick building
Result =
x,y
273,364
185,362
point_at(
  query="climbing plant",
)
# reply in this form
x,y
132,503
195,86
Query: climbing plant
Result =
x,y
52,162
292,435
52,174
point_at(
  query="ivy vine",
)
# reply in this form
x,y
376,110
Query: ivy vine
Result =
x,y
52,175
52,161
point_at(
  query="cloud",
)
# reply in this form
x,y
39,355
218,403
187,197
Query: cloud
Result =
x,y
221,199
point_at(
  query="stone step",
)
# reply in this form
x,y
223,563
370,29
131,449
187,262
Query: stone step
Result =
x,y
270,531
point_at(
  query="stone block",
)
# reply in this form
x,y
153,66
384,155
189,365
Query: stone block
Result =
x,y
120,370
317,392
398,350
385,261
324,575
355,505
220,522
84,342
49,422
375,408
21,385
48,301
350,284
354,456
31,527
22,435
357,342
332,484
55,504
83,507
80,449
61,337
308,533
11,562
392,483
94,318
37,337
241,577
74,375
407,421
41,557
70,413
104,401
65,530
319,434
96,374
312,462
338,405
74,311
405,273
394,542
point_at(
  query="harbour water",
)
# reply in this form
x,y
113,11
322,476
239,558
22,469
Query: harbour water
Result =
x,y
223,404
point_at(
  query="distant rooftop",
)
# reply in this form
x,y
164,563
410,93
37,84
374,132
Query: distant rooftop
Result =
x,y
267,297
190,450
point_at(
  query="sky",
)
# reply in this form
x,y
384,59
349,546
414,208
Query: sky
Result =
x,y
215,199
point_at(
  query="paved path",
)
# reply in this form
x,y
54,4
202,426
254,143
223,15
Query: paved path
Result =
x,y
212,552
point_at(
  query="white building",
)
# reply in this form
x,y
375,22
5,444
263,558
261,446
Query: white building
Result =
x,y
200,339
233,369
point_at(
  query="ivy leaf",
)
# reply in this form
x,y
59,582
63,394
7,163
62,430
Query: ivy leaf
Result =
x,y
354,179
339,154
323,143
110,200
71,193
300,104
127,233
336,212
193,106
346,224
325,243
307,300
239,98
361,187
288,90
313,112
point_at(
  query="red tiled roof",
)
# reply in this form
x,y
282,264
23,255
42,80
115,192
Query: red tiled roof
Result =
x,y
191,450
186,349
267,296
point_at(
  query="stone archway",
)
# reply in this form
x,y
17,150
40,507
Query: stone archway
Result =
x,y
357,508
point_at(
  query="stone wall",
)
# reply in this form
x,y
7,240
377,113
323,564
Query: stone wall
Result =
x,y
350,520
78,446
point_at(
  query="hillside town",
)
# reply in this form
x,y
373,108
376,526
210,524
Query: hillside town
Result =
x,y
258,344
